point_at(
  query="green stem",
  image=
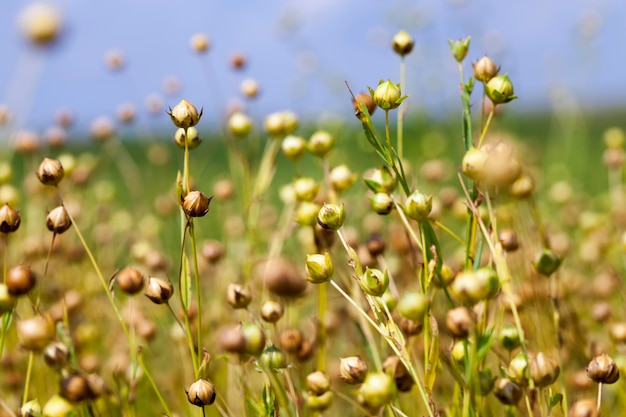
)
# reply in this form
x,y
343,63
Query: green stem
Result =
x,y
400,134
321,332
29,371
196,272
387,134
154,386
486,128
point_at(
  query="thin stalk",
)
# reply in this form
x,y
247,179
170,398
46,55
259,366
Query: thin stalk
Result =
x,y
486,128
154,386
196,272
182,272
599,397
29,371
387,134
321,331
400,135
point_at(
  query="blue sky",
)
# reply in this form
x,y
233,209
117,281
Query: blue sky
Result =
x,y
301,52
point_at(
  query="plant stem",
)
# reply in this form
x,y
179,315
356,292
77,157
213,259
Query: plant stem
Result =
x,y
321,327
400,135
196,272
29,371
154,386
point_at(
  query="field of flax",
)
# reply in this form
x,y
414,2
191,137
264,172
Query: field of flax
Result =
x,y
345,270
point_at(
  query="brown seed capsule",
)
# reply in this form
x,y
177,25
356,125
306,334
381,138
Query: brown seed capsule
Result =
x,y
130,280
508,392
485,69
212,251
401,376
290,340
10,219
56,355
40,23
307,348
238,60
364,99
75,388
584,408
231,339
185,114
20,280
375,244
50,171
544,370
281,277
58,221
36,332
402,43
196,204
158,290
272,311
459,322
353,370
238,296
508,240
603,369
201,393
317,383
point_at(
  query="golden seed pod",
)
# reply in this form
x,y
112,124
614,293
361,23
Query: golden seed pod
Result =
x,y
305,188
414,306
473,286
603,369
273,358
56,136
75,388
223,189
26,142
20,280
249,88
191,139
130,280
459,322
280,124
485,69
40,23
319,402
387,95
201,393
353,370
507,391
290,340
7,301
341,178
402,378
508,240
473,164
30,409
200,42
254,338
584,408
293,147
57,406
281,277
240,124
366,100
617,330
381,180
331,216
58,220
376,391
196,204
272,311
50,171
231,339
238,296
317,383
320,143
36,332
56,355
402,43
102,129
212,251
319,268
518,370
185,114
522,187
418,206
543,370
158,290
382,203
10,219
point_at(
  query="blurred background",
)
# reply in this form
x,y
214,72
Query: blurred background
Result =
x,y
133,58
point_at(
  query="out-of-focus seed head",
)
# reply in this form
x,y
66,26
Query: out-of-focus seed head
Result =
x,y
305,188
319,268
402,43
200,43
377,390
10,219
223,190
293,147
238,60
40,23
7,301
331,216
381,180
30,409
58,220
281,277
291,340
353,370
341,178
55,136
603,369
374,281
509,337
272,311
473,164
459,322
519,369
130,280
402,378
319,402
75,388
115,59
20,280
507,391
584,408
414,306
459,48
317,383
320,143
212,251
231,339
158,290
499,89
126,113
522,187
387,95
486,381
57,406
201,393
544,370
36,332
508,240
102,129
444,278
254,338
196,204
546,262
192,138
617,330
485,69
240,124
375,244
56,355
238,296
281,124
418,206
50,171
185,114
473,286
364,100
382,203
273,358
249,88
